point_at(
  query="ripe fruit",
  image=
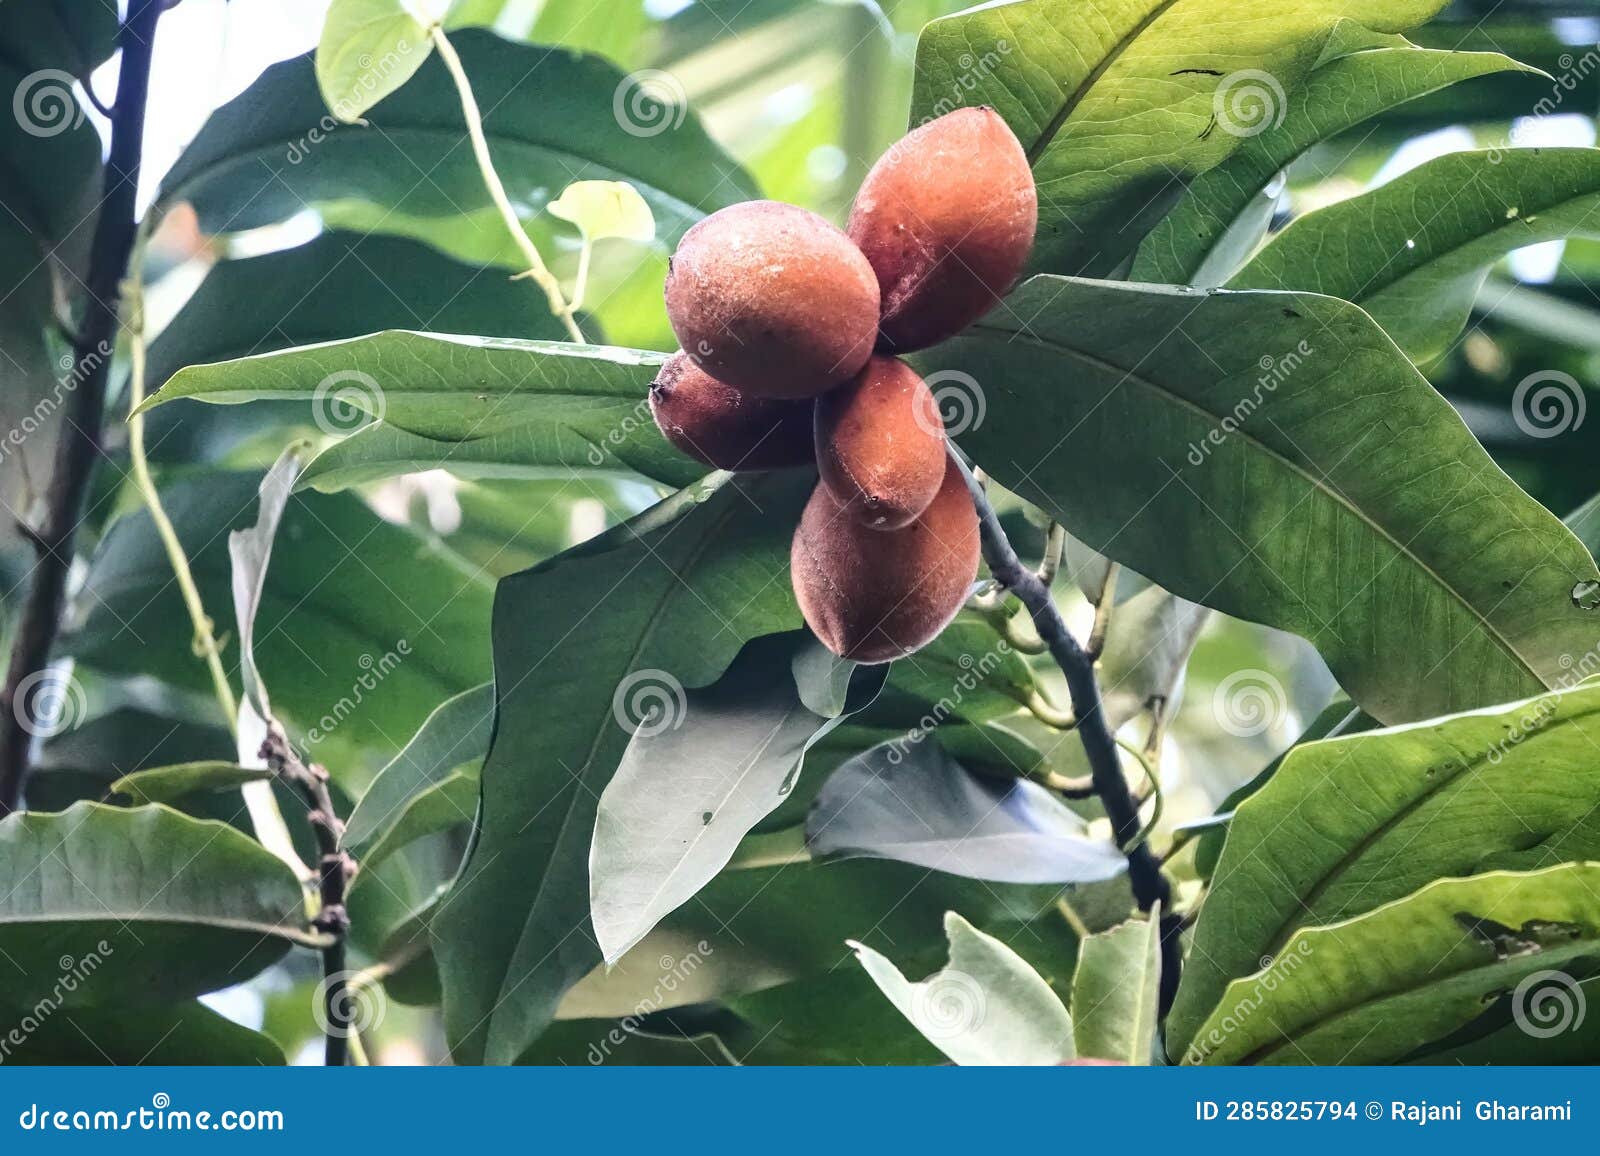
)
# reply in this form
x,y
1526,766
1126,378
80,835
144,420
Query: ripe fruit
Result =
x,y
772,300
877,595
722,427
880,444
946,217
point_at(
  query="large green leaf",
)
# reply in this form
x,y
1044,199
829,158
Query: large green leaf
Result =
x,y
1274,456
101,906
1372,989
337,286
697,776
363,628
500,405
1415,251
986,1007
174,783
1115,992
549,117
1350,823
424,787
1191,245
667,599
123,1036
1120,104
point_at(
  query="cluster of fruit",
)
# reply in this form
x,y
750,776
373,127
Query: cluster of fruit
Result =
x,y
790,331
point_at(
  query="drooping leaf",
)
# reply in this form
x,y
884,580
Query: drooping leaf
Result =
x,y
1191,245
1414,252
1115,992
606,209
368,49
1372,989
1119,106
687,791
986,1007
363,627
513,406
137,905
1204,438
169,784
423,787
1351,823
166,1035
667,599
1148,645
250,552
911,801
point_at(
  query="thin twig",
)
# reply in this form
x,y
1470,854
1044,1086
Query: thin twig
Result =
x,y
334,871
1055,544
1150,885
79,445
1102,612
537,269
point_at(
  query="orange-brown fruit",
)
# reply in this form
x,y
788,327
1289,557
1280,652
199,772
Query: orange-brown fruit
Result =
x,y
718,425
946,217
877,595
880,444
772,300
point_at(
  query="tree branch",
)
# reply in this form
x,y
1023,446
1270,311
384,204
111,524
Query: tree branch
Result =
x,y
1150,885
334,871
79,444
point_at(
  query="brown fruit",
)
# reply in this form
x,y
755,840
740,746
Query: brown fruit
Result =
x,y
772,300
946,217
880,444
877,595
718,425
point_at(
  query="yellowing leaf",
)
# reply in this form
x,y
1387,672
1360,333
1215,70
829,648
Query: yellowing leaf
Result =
x,y
606,209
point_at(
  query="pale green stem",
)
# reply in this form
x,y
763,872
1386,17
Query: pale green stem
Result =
x,y
537,269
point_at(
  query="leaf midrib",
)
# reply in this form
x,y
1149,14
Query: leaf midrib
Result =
x,y
1239,432
1078,95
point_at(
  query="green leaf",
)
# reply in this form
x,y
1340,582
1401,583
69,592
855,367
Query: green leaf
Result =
x,y
602,209
1414,252
1372,989
250,552
167,906
423,787
700,771
170,784
967,672
170,1035
1191,246
1115,990
1351,823
1120,106
1259,422
908,800
675,591
518,406
363,628
549,117
1148,645
986,1007
339,286
368,49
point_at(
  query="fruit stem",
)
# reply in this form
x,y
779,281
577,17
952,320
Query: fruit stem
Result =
x,y
1102,612
537,270
1150,884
